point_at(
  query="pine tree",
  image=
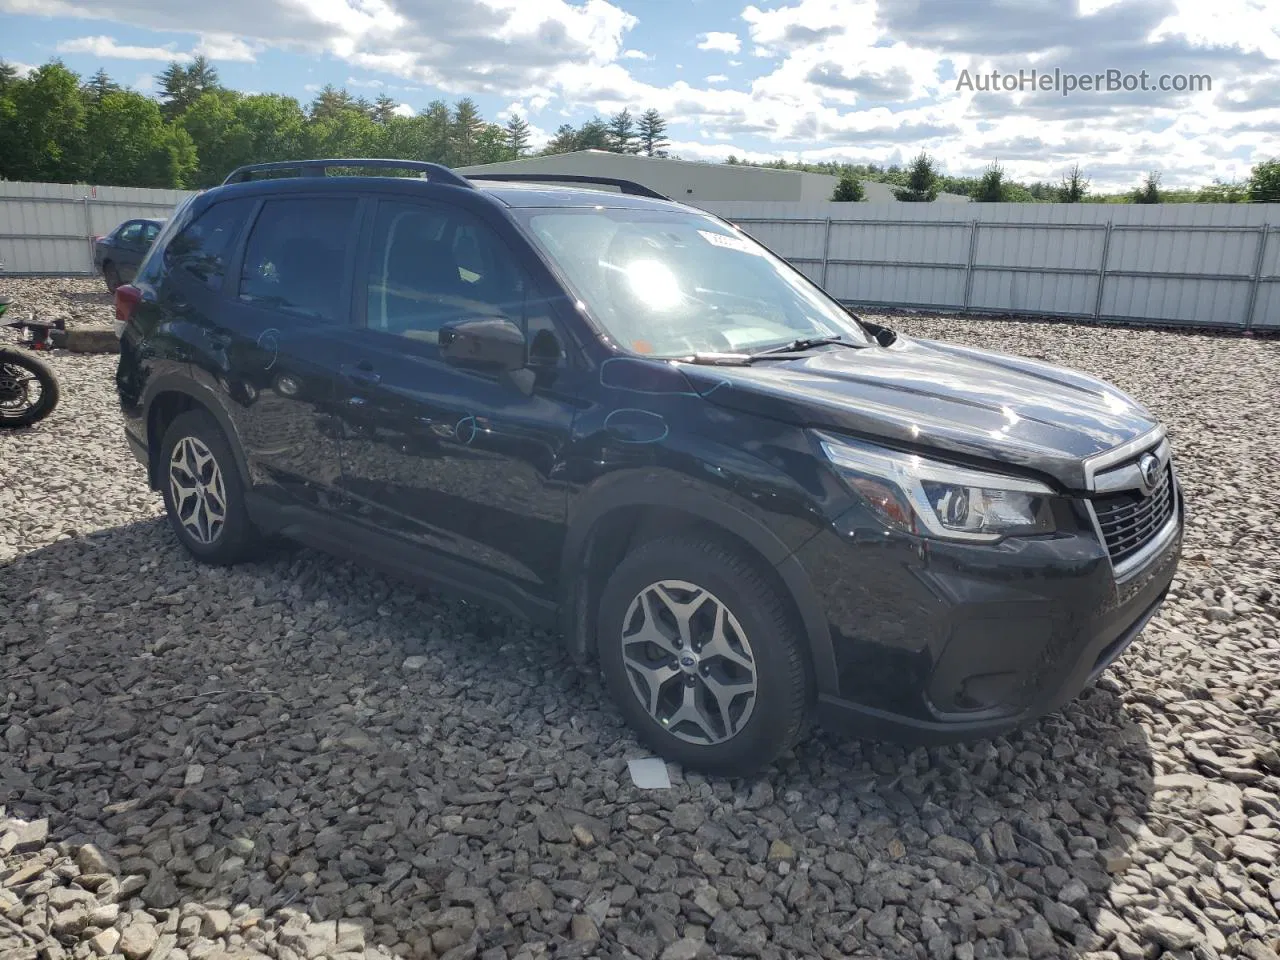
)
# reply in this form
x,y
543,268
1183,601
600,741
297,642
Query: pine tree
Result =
x,y
991,188
8,75
622,133
330,102
565,141
593,135
384,108
466,127
99,85
653,131
175,90
922,181
203,76
517,135
848,189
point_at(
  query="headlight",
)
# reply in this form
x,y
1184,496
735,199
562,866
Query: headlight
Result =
x,y
934,499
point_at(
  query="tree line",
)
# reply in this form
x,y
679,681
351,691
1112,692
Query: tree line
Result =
x,y
57,127
922,180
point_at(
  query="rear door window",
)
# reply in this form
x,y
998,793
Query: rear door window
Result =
x,y
129,234
204,246
296,254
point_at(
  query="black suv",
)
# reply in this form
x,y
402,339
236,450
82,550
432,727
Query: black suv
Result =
x,y
625,418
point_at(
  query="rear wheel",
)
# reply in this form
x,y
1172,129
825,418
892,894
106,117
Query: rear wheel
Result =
x,y
203,493
28,389
703,656
112,276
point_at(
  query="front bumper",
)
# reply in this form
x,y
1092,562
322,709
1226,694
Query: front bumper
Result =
x,y
935,643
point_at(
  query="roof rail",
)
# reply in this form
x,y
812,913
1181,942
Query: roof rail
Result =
x,y
629,187
320,168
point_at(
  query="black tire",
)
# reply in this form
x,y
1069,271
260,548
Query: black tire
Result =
x,y
16,367
783,681
232,539
111,275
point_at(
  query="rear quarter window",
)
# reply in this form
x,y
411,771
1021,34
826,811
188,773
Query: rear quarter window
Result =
x,y
203,248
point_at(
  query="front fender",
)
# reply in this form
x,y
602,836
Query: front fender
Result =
x,y
663,488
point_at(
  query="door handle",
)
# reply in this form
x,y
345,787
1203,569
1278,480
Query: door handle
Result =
x,y
361,373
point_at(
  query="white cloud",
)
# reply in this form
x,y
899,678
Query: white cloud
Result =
x,y
144,83
225,46
724,42
636,55
404,110
735,63
717,78
23,69
107,47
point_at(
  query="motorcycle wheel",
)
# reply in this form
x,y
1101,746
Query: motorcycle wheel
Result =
x,y
28,389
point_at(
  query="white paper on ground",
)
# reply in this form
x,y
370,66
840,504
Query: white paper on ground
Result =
x,y
649,773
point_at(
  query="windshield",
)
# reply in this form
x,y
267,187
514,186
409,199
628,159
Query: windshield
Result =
x,y
671,283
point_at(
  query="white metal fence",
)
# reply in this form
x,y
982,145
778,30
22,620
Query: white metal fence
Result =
x,y
47,228
1214,265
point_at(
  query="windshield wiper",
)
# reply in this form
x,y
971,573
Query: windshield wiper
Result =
x,y
797,346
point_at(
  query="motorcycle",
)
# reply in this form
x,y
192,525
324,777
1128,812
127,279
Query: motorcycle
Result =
x,y
28,388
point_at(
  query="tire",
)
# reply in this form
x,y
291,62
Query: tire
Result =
x,y
17,369
759,643
203,493
112,276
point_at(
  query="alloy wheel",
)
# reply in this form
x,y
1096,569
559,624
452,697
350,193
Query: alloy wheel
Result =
x,y
689,662
199,495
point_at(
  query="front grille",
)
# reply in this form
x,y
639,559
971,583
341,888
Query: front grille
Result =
x,y
1129,520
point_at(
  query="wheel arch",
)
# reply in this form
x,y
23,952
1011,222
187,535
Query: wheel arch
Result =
x,y
169,397
627,512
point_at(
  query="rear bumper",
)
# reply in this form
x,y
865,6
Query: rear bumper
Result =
x,y
938,643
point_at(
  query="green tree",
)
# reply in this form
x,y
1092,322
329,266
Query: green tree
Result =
x,y
437,133
1223,191
517,136
465,130
384,108
848,189
1264,182
130,144
330,102
99,86
181,86
921,181
653,134
1149,192
221,142
992,187
1074,185
8,76
565,141
622,133
593,135
42,128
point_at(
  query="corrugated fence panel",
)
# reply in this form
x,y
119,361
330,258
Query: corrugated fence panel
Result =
x,y
907,286
47,227
1052,294
1266,309
1217,303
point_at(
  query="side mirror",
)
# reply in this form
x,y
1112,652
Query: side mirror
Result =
x,y
491,343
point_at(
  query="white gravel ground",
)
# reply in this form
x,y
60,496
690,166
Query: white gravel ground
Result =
x,y
297,758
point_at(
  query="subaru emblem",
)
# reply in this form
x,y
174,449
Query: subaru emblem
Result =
x,y
1149,467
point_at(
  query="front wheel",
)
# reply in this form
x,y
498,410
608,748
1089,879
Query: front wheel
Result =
x,y
203,494
28,389
703,656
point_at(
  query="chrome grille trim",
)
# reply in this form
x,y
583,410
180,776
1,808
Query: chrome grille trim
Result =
x,y
1132,526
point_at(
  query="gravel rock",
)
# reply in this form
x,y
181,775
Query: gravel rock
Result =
x,y
245,761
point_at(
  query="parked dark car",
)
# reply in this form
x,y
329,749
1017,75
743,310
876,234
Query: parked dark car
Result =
x,y
625,418
117,255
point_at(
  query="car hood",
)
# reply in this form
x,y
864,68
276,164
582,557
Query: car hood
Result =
x,y
929,395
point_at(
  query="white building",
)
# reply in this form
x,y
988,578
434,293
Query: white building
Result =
x,y
683,180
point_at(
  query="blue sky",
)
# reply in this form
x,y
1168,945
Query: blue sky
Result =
x,y
859,80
